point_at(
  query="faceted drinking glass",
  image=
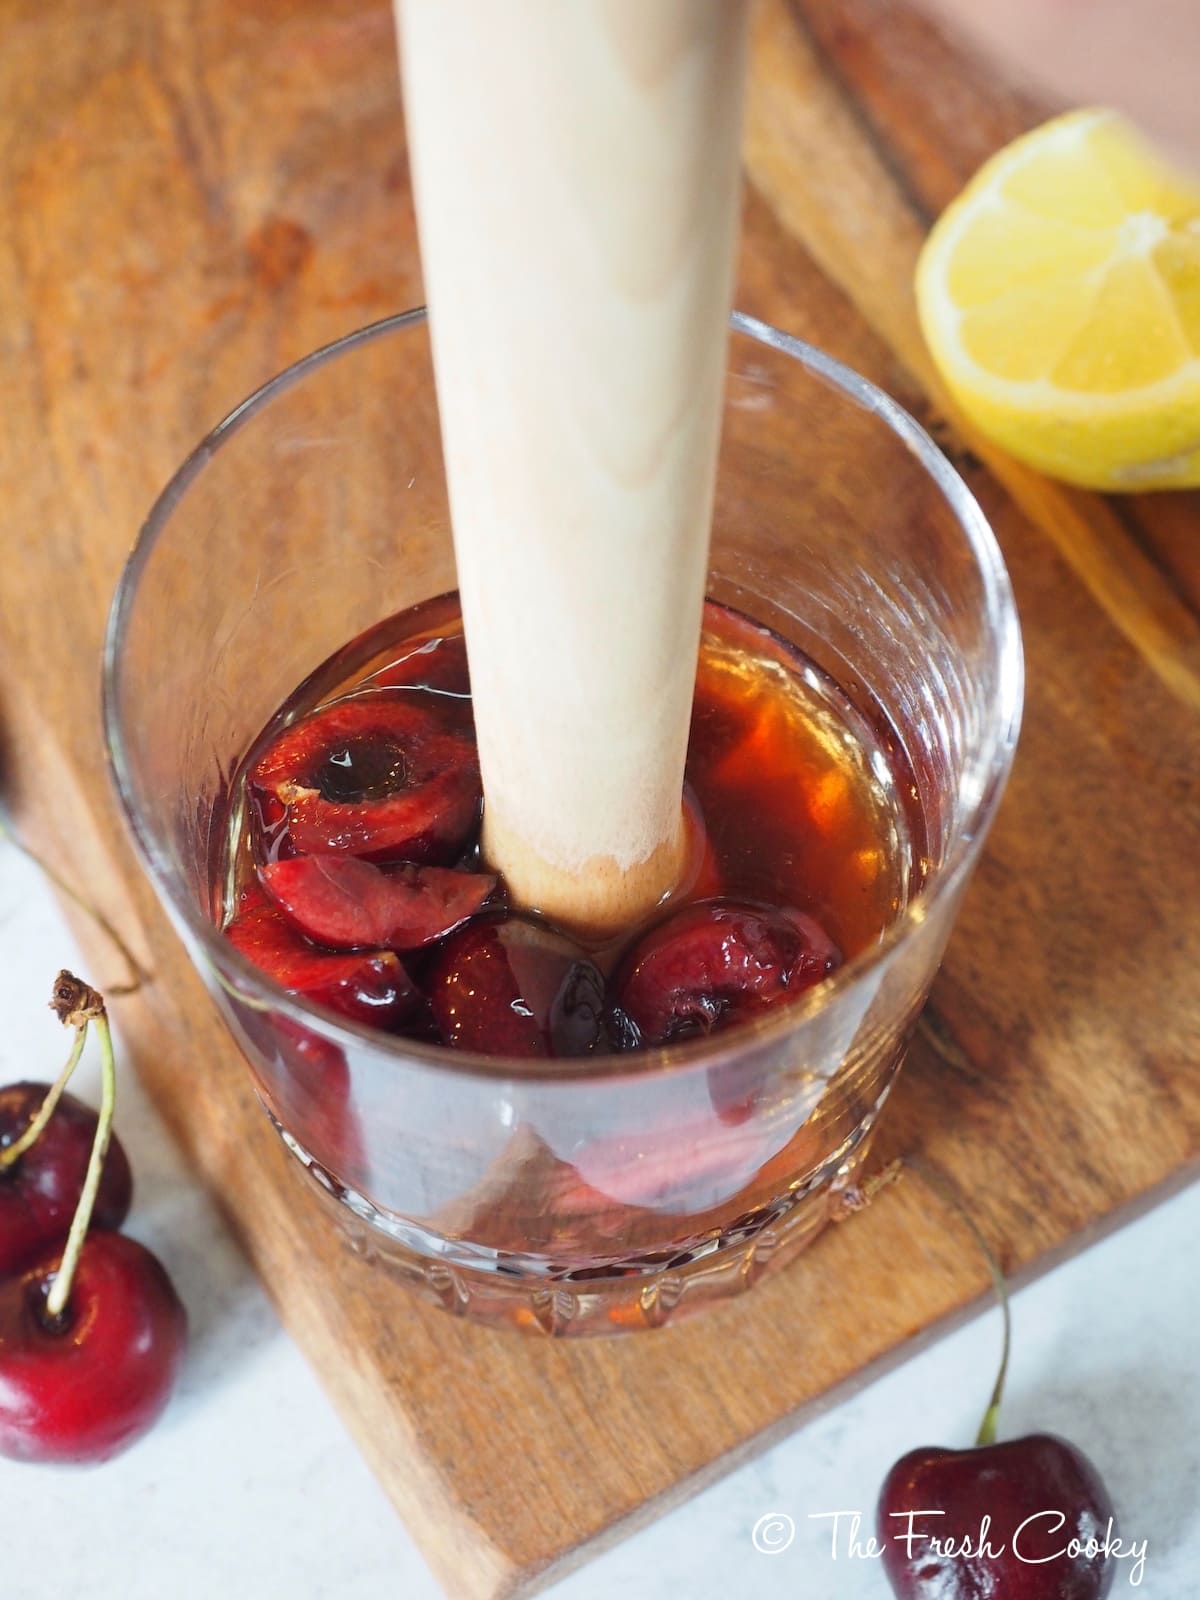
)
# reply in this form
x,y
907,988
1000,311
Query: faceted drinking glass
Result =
x,y
606,1193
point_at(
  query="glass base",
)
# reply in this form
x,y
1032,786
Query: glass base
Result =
x,y
539,1296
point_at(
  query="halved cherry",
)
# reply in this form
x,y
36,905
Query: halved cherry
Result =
x,y
714,964
378,775
349,903
509,984
370,985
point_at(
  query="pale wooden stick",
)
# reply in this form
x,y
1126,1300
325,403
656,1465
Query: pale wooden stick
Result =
x,y
576,170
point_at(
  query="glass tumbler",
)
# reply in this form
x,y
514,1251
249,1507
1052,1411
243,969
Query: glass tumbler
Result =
x,y
606,1193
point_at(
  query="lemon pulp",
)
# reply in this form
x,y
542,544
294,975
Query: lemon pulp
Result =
x,y
1060,298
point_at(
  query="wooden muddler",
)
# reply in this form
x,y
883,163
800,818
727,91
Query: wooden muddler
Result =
x,y
576,171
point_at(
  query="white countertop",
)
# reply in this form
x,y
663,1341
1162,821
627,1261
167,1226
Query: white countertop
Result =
x,y
250,1489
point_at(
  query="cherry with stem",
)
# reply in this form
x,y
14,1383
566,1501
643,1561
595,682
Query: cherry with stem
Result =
x,y
76,1005
46,1139
989,1426
1027,1518
13,1152
92,1336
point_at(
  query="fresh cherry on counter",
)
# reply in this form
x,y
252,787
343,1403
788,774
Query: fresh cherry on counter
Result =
x,y
379,775
92,1334
1025,1519
40,1189
1021,1487
81,1387
714,964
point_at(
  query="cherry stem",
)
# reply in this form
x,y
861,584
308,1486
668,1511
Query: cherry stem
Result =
x,y
857,1197
13,1152
136,975
991,1417
78,1006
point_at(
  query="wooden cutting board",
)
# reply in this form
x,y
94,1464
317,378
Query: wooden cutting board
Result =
x,y
193,196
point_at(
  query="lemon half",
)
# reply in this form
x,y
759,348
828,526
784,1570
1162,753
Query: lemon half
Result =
x,y
1060,298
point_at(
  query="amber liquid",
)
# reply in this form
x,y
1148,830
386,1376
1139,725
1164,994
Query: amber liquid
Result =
x,y
804,799
807,801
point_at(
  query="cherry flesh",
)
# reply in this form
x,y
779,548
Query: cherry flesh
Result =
x,y
83,1389
368,985
39,1192
1039,1477
509,984
714,964
348,904
379,775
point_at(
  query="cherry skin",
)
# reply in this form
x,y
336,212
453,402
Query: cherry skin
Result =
x,y
368,985
314,1091
39,1192
380,775
1008,1483
438,666
86,1389
510,984
350,904
714,964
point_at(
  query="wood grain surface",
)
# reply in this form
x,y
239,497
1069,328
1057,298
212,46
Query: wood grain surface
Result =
x,y
193,196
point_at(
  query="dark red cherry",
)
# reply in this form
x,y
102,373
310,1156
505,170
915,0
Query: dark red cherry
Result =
x,y
438,665
369,985
39,1192
379,775
509,984
1027,1519
308,1087
314,1092
82,1389
350,904
714,964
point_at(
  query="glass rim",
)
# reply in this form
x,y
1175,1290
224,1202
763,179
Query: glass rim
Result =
x,y
983,777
